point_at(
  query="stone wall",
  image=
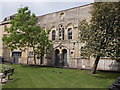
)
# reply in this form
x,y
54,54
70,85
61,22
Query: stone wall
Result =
x,y
1,43
108,64
67,18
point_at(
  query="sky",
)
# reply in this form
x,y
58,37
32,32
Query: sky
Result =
x,y
39,7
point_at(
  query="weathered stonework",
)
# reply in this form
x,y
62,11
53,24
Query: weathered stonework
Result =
x,y
68,19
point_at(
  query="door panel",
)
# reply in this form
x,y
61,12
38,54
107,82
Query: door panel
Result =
x,y
57,58
64,52
16,56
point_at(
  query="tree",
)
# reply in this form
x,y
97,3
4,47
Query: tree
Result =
x,y
25,33
43,45
102,35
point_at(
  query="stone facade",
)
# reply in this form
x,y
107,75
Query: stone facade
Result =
x,y
61,23
64,33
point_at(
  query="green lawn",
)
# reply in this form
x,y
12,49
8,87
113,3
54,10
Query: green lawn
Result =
x,y
43,77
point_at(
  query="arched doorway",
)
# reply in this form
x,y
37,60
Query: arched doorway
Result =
x,y
57,57
64,56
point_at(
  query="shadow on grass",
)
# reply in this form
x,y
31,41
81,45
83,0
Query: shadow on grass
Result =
x,y
15,80
107,75
38,66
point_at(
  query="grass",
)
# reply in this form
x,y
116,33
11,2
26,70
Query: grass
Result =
x,y
43,77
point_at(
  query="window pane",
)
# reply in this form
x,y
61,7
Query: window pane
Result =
x,y
69,33
61,33
53,35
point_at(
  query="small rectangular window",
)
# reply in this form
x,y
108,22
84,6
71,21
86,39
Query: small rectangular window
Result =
x,y
53,35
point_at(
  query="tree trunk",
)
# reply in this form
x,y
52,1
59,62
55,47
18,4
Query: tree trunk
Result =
x,y
34,56
28,56
42,59
95,65
34,59
27,60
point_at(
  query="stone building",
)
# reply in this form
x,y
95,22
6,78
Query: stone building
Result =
x,y
64,33
5,52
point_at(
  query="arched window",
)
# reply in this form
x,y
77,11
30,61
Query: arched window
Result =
x,y
53,35
61,33
62,15
69,33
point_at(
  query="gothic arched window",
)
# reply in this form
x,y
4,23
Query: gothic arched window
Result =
x,y
69,33
61,33
53,35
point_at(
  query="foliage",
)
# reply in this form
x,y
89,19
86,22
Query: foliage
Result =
x,y
25,33
102,35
